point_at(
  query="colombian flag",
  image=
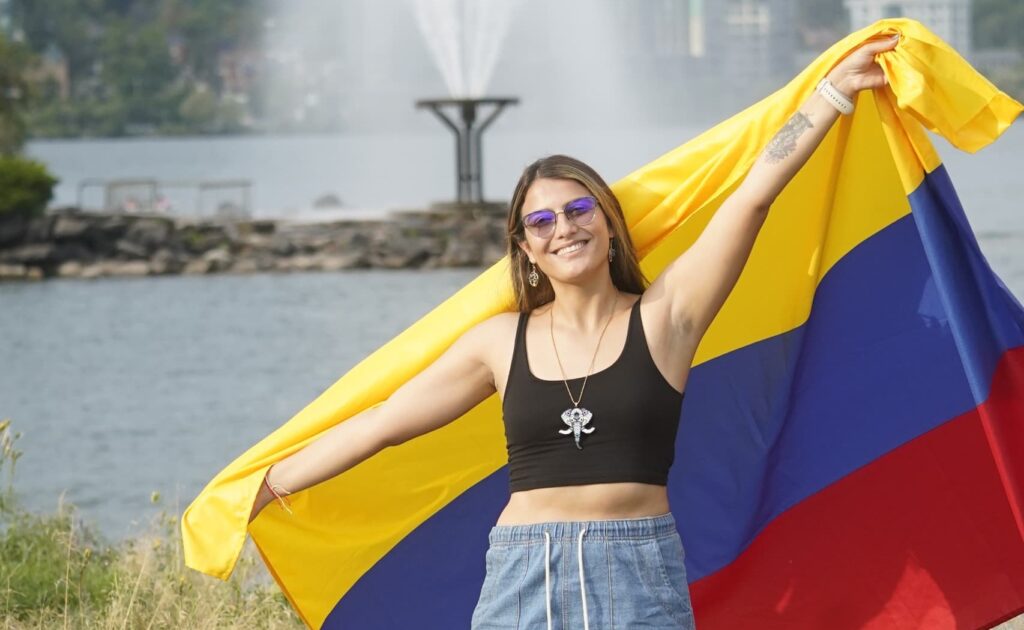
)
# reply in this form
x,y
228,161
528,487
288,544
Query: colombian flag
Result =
x,y
851,446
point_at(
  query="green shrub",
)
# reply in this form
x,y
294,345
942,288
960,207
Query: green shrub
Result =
x,y
25,186
52,562
57,572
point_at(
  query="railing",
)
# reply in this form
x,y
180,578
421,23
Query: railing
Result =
x,y
147,195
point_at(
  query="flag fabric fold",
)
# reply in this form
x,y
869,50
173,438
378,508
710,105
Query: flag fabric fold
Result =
x,y
851,446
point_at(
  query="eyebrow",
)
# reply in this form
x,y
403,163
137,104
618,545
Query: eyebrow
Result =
x,y
564,206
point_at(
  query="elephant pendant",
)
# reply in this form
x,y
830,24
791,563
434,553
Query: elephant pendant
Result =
x,y
576,420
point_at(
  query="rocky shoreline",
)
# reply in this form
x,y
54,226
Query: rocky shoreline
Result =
x,y
68,243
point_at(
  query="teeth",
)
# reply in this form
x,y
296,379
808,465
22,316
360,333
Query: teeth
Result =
x,y
571,248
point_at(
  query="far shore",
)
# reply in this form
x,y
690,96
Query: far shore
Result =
x,y
73,243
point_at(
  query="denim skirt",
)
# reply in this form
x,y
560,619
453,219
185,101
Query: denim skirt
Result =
x,y
598,575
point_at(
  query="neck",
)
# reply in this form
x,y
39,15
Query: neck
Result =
x,y
587,306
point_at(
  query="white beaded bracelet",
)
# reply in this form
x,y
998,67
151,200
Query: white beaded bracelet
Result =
x,y
831,94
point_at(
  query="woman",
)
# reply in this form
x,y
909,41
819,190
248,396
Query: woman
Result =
x,y
591,373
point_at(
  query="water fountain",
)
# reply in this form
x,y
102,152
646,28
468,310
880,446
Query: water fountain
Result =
x,y
464,37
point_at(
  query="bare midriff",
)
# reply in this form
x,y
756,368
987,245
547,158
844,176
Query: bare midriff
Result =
x,y
601,501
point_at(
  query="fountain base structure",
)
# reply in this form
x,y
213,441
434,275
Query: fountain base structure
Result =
x,y
469,191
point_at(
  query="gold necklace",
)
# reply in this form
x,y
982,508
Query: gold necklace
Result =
x,y
577,418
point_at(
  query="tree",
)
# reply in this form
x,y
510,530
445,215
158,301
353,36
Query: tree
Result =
x,y
13,92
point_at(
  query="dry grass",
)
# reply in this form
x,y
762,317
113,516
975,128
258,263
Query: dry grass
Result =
x,y
139,584
57,573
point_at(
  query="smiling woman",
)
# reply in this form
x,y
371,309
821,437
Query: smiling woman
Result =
x,y
568,183
588,476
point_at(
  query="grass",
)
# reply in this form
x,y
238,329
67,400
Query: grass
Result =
x,y
55,572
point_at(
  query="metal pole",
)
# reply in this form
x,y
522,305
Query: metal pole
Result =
x,y
479,149
458,147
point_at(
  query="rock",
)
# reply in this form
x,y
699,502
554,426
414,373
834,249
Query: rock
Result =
x,y
13,227
265,262
282,246
20,272
31,253
245,265
461,253
492,253
302,263
200,238
150,232
315,242
219,259
131,249
69,269
350,260
91,245
410,260
128,268
196,267
165,262
327,202
69,227
112,227
94,270
13,271
254,242
40,228
262,227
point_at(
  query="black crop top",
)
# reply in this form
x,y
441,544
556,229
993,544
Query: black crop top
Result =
x,y
629,437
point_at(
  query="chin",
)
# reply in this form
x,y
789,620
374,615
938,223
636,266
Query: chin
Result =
x,y
576,272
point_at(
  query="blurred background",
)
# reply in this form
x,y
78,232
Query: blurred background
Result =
x,y
253,120
312,100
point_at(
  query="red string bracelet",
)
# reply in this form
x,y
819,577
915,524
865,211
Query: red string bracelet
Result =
x,y
285,504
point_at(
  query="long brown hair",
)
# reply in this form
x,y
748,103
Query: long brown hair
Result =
x,y
625,268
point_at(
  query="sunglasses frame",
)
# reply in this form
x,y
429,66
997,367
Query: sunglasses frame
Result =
x,y
593,213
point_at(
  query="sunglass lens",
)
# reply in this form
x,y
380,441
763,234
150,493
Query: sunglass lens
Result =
x,y
540,222
581,211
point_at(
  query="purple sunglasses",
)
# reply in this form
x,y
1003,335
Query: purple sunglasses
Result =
x,y
542,222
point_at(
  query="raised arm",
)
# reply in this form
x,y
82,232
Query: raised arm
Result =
x,y
697,283
456,382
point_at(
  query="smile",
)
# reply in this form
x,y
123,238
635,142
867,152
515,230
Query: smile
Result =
x,y
571,249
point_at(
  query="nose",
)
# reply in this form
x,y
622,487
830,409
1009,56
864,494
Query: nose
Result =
x,y
563,226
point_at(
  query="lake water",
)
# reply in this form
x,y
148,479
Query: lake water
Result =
x,y
126,386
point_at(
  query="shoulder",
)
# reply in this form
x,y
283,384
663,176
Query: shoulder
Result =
x,y
492,342
496,324
491,334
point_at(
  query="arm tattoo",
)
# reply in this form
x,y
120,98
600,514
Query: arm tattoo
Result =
x,y
784,142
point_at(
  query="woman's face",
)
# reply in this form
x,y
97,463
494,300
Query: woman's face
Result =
x,y
571,252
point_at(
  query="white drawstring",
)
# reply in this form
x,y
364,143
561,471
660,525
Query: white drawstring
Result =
x,y
547,574
547,577
583,589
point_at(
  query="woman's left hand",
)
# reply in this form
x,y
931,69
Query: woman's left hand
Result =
x,y
859,70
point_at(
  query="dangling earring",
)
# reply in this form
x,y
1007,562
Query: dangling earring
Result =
x,y
533,277
611,250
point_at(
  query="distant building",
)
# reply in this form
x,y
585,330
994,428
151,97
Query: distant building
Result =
x,y
949,19
758,40
729,52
